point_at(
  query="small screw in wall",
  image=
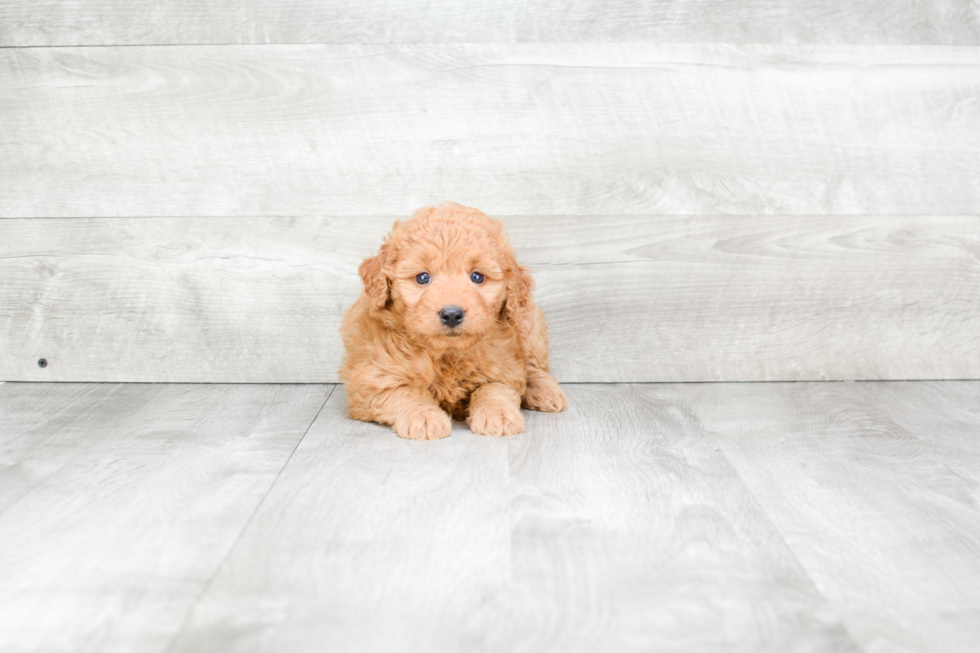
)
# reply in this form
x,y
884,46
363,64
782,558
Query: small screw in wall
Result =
x,y
43,362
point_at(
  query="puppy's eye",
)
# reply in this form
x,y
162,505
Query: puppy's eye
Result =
x,y
476,277
422,278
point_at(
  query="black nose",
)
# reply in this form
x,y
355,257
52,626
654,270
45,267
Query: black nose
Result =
x,y
452,316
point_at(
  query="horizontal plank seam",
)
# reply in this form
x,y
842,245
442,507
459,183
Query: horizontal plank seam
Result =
x,y
447,45
499,216
209,383
576,383
317,43
258,506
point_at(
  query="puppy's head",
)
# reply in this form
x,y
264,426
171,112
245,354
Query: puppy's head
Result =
x,y
446,277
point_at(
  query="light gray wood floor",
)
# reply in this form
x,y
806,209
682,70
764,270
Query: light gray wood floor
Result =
x,y
689,517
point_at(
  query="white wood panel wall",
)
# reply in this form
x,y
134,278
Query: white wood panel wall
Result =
x,y
511,129
629,298
793,189
178,22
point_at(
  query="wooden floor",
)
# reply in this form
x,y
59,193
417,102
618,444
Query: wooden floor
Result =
x,y
691,517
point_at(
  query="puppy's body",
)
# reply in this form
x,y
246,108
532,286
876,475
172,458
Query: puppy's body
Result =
x,y
446,327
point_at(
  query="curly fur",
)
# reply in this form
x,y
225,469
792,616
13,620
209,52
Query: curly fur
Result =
x,y
405,368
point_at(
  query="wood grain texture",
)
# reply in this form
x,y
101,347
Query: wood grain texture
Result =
x,y
627,298
118,503
944,414
367,542
615,526
135,22
573,129
881,512
632,533
717,517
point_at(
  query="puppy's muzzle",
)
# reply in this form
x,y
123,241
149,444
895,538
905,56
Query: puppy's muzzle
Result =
x,y
452,316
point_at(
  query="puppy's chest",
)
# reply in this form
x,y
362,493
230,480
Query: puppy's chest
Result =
x,y
450,378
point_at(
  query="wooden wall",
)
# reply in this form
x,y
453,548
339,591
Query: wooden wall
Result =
x,y
707,190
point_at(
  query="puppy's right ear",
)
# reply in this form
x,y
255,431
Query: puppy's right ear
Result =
x,y
376,282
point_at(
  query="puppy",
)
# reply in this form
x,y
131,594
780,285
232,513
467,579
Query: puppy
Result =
x,y
446,328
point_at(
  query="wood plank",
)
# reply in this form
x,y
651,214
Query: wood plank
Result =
x,y
118,503
949,409
628,298
100,22
570,129
632,533
232,300
882,514
367,542
614,526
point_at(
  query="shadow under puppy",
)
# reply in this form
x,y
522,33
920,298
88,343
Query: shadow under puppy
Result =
x,y
446,327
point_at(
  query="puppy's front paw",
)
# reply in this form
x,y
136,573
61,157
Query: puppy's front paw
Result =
x,y
543,393
424,423
496,418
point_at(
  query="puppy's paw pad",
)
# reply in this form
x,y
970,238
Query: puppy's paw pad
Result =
x,y
493,419
429,423
545,395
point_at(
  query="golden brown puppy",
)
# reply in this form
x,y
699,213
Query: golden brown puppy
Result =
x,y
446,327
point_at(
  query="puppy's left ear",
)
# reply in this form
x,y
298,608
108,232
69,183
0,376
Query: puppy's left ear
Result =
x,y
517,302
375,279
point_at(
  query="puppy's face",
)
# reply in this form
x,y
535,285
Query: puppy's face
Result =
x,y
446,275
451,296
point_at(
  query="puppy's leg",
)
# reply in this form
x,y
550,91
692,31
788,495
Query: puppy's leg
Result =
x,y
413,414
543,392
495,409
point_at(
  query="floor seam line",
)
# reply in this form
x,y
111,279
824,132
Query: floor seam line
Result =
x,y
782,538
248,522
